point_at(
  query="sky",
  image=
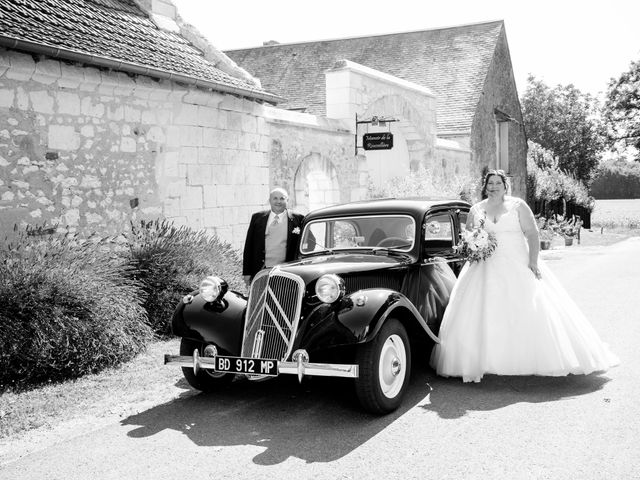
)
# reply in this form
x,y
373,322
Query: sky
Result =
x,y
561,42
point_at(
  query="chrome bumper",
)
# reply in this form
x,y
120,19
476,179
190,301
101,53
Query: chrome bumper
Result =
x,y
299,366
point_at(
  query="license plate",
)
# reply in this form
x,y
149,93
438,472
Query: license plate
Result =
x,y
253,366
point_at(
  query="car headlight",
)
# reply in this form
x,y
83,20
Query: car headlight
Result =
x,y
212,288
329,288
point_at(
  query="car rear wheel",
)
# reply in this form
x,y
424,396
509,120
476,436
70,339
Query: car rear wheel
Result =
x,y
385,366
204,380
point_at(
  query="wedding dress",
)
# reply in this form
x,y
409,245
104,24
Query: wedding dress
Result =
x,y
502,320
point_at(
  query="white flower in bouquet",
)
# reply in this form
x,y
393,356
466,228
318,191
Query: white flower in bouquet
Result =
x,y
477,244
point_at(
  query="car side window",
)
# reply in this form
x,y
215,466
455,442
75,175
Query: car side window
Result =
x,y
438,235
438,228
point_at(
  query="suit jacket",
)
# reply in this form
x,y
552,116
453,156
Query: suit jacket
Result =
x,y
253,257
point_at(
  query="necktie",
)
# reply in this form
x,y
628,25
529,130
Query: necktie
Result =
x,y
276,221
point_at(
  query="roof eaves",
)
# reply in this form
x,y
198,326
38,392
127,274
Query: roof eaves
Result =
x,y
74,55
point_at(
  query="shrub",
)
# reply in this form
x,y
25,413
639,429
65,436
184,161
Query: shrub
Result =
x,y
547,183
421,183
67,308
170,261
545,228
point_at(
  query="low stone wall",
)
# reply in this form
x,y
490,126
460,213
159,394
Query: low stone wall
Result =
x,y
452,159
313,159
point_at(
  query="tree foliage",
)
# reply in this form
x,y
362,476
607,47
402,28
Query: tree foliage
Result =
x,y
617,179
546,182
542,157
622,109
566,122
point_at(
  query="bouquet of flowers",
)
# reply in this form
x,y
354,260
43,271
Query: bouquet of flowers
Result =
x,y
476,244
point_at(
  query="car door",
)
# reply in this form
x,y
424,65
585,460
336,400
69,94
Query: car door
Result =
x,y
437,275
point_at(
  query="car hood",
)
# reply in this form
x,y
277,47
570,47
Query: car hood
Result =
x,y
310,268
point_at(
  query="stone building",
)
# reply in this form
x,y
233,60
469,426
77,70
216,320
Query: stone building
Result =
x,y
460,77
114,110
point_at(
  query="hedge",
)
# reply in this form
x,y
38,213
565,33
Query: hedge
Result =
x,y
169,261
67,308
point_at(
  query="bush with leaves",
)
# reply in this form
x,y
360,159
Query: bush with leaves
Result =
x,y
421,183
546,182
169,261
67,308
545,228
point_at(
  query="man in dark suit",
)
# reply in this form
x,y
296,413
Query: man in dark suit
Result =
x,y
273,236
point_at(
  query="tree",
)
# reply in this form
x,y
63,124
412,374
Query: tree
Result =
x,y
541,157
566,122
622,109
617,179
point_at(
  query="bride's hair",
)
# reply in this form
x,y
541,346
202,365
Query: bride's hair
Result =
x,y
491,173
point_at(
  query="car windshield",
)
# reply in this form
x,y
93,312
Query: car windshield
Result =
x,y
382,231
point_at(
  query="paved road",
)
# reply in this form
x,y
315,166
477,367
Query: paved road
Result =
x,y
582,427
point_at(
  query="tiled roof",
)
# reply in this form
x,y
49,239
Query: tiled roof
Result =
x,y
101,31
453,62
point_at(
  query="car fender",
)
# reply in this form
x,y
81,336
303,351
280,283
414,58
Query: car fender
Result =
x,y
365,311
220,322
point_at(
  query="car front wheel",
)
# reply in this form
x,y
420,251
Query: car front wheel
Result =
x,y
385,366
204,380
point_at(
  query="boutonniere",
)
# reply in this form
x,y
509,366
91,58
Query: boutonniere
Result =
x,y
296,231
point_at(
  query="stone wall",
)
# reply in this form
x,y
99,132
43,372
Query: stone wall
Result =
x,y
354,89
452,159
500,92
85,149
313,158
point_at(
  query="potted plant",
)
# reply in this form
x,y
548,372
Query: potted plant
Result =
x,y
547,232
569,228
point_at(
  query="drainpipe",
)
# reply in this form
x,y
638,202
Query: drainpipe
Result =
x,y
75,56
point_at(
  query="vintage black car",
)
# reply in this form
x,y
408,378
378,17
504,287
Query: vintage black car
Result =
x,y
368,289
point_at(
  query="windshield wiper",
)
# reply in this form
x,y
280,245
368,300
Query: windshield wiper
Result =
x,y
329,251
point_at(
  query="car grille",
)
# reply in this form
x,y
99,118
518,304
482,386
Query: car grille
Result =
x,y
273,311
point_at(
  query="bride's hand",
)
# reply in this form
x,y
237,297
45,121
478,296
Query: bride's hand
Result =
x,y
536,271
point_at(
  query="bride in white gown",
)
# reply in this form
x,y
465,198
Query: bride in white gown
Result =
x,y
508,314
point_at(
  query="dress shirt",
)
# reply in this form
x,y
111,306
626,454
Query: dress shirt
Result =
x,y
272,215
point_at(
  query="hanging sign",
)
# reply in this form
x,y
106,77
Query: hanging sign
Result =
x,y
377,141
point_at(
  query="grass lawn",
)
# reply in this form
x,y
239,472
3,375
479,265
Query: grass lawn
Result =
x,y
114,393
606,236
